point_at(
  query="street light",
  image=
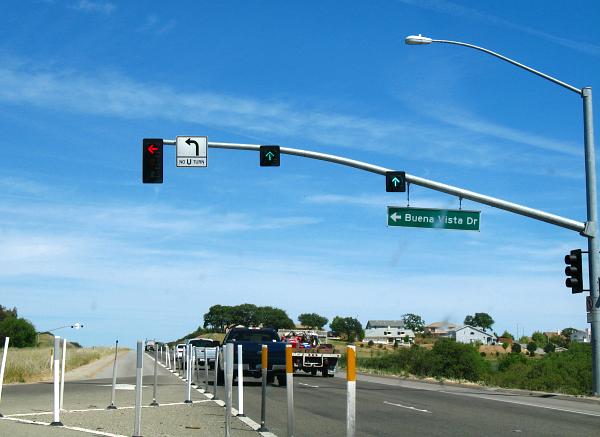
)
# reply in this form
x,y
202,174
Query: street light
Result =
x,y
590,185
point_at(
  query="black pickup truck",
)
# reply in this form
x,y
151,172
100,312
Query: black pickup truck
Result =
x,y
252,340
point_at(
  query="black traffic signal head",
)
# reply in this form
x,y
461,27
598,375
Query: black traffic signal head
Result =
x,y
574,271
269,156
395,181
152,158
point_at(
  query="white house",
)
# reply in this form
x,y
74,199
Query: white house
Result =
x,y
469,334
387,332
581,336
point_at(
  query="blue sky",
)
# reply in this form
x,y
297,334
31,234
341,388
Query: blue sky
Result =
x,y
83,81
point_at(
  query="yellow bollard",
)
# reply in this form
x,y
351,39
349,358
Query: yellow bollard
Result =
x,y
351,387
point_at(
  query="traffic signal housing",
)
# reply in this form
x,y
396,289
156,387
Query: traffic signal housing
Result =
x,y
269,156
574,271
395,181
152,160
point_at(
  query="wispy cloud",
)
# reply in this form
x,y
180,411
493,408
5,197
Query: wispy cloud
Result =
x,y
155,25
94,6
466,141
119,219
455,9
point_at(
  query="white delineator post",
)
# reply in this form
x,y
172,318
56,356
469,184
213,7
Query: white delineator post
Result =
x,y
216,373
351,387
205,369
4,353
62,372
138,390
240,369
167,358
56,366
112,405
289,382
188,373
228,387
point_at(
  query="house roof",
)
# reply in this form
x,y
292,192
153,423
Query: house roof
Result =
x,y
385,323
459,328
444,325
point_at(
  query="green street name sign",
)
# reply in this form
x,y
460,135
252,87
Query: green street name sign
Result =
x,y
433,218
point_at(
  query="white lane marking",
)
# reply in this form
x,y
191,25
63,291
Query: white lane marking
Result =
x,y
128,407
130,387
74,428
407,407
308,385
526,404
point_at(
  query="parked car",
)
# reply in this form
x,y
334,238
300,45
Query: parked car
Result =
x,y
211,350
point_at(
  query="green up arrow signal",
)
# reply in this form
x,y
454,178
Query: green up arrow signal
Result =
x,y
396,181
270,155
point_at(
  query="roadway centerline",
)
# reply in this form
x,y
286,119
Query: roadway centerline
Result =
x,y
407,407
308,385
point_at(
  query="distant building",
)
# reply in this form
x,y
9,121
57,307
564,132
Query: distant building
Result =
x,y
469,334
440,328
581,336
387,332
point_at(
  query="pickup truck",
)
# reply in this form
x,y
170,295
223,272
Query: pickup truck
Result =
x,y
252,340
211,350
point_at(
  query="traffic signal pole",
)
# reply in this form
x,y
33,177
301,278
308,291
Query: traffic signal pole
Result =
x,y
586,229
592,225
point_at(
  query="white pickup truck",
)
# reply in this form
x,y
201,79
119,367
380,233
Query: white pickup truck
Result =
x,y
205,343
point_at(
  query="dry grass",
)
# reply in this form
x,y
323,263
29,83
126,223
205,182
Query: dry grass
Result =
x,y
33,364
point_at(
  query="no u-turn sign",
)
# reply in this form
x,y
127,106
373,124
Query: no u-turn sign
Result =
x,y
191,151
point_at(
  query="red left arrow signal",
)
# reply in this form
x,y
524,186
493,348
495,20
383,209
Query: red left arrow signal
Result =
x,y
152,148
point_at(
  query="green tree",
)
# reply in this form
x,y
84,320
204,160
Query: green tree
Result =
x,y
540,338
245,314
531,347
480,320
313,320
275,318
559,340
507,334
5,312
516,348
348,327
413,322
21,332
218,318
504,345
549,348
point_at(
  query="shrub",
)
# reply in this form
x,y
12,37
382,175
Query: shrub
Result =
x,y
483,354
504,345
457,360
371,343
549,348
21,332
516,348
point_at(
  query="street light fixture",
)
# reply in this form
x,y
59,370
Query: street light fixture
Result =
x,y
590,230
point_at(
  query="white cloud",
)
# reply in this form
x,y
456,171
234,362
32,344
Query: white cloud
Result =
x,y
466,141
94,6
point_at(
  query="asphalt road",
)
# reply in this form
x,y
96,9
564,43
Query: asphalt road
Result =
x,y
385,407
393,407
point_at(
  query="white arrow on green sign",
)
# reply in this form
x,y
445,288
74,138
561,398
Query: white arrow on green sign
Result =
x,y
433,218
